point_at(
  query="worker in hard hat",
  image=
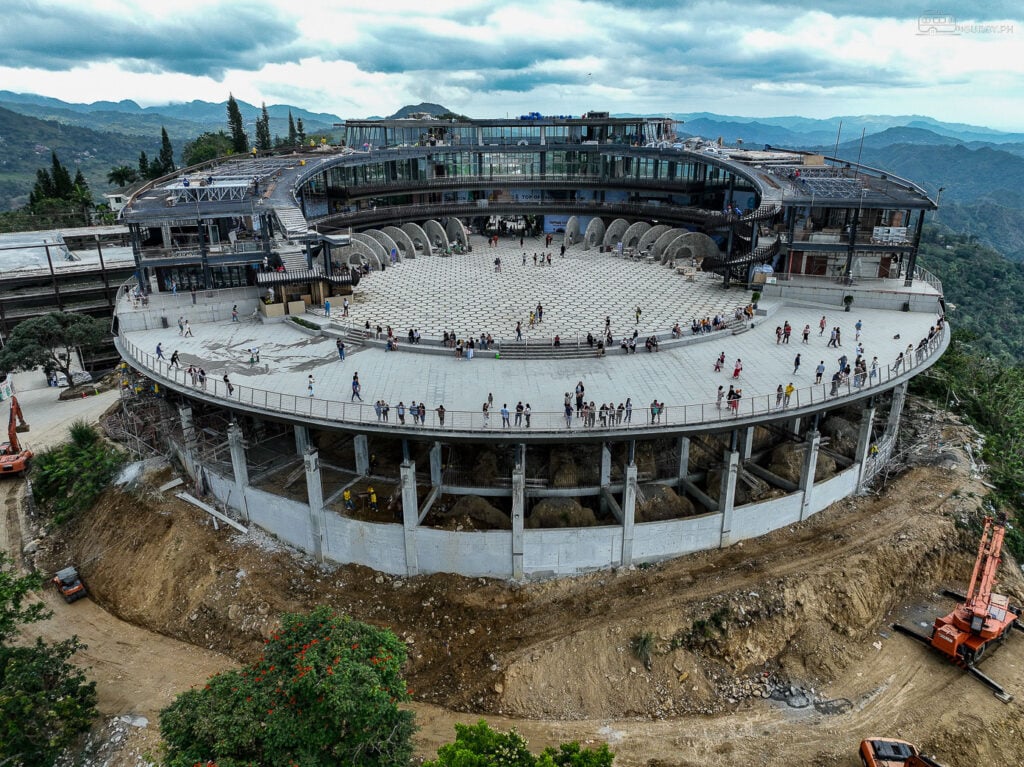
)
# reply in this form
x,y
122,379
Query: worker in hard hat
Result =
x,y
349,503
373,498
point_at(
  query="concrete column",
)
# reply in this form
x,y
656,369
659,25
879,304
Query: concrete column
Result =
x,y
188,431
518,518
435,464
301,439
899,396
796,427
239,468
315,491
807,472
867,420
747,436
606,464
410,515
684,458
727,494
628,515
362,449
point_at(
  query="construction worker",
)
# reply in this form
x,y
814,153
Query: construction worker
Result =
x,y
347,498
373,498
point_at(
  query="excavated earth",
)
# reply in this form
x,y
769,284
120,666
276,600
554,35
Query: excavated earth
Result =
x,y
774,651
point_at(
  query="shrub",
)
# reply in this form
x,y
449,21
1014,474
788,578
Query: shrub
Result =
x,y
301,321
477,745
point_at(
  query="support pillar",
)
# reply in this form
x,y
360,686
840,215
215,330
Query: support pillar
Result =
x,y
518,518
239,468
807,472
362,450
628,515
188,431
727,494
410,515
435,464
899,396
606,464
796,427
315,491
748,443
301,439
684,458
867,421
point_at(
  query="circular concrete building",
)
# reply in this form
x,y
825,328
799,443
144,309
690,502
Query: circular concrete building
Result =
x,y
559,292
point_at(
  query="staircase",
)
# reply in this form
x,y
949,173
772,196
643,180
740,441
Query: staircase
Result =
x,y
291,220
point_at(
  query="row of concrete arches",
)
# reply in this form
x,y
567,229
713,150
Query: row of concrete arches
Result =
x,y
665,243
394,244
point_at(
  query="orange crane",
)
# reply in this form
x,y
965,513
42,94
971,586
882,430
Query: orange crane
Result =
x,y
888,752
14,459
982,618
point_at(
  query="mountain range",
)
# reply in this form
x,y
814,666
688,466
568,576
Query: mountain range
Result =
x,y
980,170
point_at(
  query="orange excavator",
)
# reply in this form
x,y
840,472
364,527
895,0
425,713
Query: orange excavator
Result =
x,y
14,459
887,752
983,619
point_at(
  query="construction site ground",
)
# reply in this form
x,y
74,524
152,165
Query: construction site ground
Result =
x,y
775,651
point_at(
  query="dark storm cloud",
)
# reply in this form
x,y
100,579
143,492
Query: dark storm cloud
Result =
x,y
201,42
394,49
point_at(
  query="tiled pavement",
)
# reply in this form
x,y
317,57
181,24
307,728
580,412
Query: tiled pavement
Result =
x,y
679,376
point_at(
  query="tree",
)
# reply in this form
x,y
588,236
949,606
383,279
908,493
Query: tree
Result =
x,y
207,146
239,141
63,186
263,130
122,175
477,745
293,136
300,132
166,157
324,692
143,165
45,701
50,341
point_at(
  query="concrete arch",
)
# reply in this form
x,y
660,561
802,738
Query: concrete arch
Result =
x,y
664,241
405,247
386,242
364,246
572,231
613,234
419,238
631,236
594,236
677,251
701,245
456,232
436,234
651,236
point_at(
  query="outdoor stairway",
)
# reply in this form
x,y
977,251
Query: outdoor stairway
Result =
x,y
291,220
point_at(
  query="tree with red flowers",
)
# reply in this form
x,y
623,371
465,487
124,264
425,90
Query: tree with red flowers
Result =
x,y
324,692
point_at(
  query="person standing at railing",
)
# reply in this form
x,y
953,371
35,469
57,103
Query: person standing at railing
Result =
x,y
227,383
788,393
440,415
159,351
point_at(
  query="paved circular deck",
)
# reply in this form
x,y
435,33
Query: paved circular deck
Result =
x,y
464,293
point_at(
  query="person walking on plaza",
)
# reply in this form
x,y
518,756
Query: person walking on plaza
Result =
x,y
519,331
181,325
720,362
819,372
174,360
160,351
356,389
873,374
638,312
858,327
309,385
787,331
234,313
344,307
796,364
821,326
341,349
327,307
737,368
832,338
807,333
188,330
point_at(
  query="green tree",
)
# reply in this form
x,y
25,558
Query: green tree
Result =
x,y
293,135
263,130
143,165
122,175
50,341
239,141
45,701
207,146
166,156
300,132
324,692
477,745
63,186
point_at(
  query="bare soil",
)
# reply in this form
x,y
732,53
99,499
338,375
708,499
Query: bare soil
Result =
x,y
773,651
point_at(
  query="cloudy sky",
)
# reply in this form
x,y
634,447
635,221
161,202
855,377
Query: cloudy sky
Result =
x,y
486,58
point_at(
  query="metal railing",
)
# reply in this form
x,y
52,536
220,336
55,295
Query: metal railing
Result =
x,y
646,417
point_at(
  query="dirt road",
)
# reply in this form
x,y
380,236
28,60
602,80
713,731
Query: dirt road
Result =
x,y
808,607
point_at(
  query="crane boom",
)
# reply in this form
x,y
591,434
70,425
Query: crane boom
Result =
x,y
983,578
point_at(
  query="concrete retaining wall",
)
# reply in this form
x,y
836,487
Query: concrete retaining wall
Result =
x,y
653,541
570,551
480,555
380,546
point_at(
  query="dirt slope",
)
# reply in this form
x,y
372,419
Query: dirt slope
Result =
x,y
800,615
